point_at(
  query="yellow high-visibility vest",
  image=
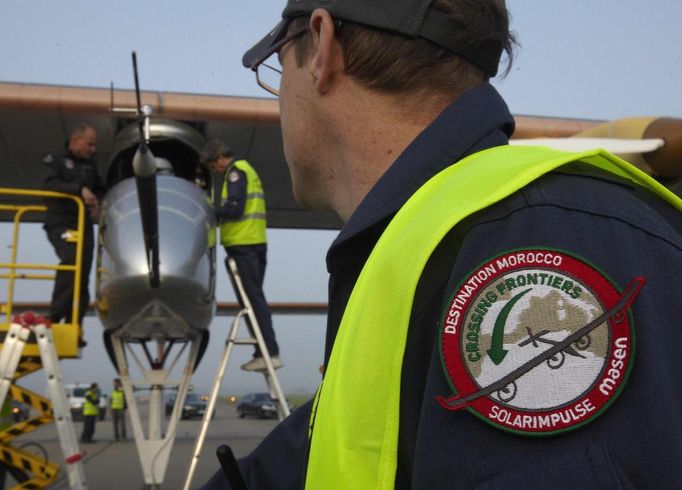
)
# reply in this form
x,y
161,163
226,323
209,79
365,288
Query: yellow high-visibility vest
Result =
x,y
90,408
355,422
118,400
250,228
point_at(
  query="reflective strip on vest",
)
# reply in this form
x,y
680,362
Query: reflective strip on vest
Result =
x,y
117,400
249,229
355,422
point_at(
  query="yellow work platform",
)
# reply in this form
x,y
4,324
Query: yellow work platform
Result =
x,y
65,337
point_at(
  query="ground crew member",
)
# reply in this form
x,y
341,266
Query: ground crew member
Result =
x,y
74,172
240,212
482,298
90,413
118,410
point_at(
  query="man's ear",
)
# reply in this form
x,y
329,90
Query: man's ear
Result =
x,y
327,57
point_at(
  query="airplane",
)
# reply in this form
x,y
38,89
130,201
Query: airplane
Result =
x,y
155,289
556,361
35,119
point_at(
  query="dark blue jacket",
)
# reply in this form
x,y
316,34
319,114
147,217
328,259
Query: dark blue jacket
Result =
x,y
620,229
233,207
68,174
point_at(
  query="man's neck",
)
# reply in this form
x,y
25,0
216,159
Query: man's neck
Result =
x,y
374,132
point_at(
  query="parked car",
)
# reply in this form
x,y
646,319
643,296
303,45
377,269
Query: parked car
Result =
x,y
195,406
76,395
262,405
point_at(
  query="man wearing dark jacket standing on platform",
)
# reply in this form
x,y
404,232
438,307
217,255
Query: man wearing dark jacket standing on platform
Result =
x,y
74,172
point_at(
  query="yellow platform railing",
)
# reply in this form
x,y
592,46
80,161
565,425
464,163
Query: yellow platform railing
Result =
x,y
65,334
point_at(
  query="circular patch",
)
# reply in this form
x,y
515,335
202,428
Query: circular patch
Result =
x,y
536,342
233,176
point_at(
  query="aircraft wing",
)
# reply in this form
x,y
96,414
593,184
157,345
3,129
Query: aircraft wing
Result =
x,y
35,120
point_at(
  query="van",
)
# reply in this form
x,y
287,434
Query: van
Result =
x,y
75,393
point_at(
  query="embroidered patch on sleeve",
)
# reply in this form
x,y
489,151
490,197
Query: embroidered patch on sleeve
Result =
x,y
537,342
233,176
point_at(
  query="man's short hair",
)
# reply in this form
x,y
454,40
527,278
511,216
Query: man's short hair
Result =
x,y
393,63
213,150
80,129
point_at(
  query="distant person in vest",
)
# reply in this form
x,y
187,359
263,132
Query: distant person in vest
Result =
x,y
488,322
118,410
240,212
73,172
90,413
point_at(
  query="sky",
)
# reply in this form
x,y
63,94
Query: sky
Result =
x,y
600,59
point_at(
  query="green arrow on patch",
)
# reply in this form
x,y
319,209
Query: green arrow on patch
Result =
x,y
497,352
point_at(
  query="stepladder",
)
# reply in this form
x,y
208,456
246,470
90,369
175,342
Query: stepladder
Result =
x,y
36,471
244,317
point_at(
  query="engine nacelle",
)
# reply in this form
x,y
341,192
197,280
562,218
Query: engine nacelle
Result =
x,y
183,304
180,304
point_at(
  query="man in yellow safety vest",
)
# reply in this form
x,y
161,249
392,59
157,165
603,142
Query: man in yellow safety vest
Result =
x,y
499,316
90,413
118,410
240,212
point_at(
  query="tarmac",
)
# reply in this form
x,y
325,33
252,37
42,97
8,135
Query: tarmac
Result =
x,y
111,465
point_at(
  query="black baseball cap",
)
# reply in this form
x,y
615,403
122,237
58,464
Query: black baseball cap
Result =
x,y
413,18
